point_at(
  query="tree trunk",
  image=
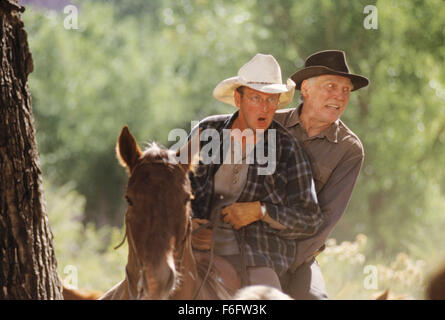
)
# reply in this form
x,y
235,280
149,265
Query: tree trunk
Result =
x,y
28,267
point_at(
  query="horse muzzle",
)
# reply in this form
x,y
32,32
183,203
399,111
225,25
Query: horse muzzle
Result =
x,y
157,283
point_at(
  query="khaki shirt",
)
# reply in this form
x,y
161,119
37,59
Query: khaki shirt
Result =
x,y
230,180
336,156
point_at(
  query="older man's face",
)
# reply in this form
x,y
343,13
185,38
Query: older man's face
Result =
x,y
257,108
326,97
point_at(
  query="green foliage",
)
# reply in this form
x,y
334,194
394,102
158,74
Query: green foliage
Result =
x,y
84,254
351,275
348,267
399,118
90,82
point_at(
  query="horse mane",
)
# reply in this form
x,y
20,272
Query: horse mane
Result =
x,y
156,151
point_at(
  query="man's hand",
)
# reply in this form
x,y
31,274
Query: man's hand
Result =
x,y
202,238
240,214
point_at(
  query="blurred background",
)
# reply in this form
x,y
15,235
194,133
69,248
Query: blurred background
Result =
x,y
152,65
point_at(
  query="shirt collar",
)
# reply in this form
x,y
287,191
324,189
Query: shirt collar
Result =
x,y
229,121
330,133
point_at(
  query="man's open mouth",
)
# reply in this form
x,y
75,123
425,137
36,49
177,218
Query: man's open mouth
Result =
x,y
333,106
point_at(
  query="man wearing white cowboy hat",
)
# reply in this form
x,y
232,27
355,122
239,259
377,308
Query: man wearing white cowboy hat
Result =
x,y
335,152
255,217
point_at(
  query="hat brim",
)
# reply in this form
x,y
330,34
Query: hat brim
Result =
x,y
225,90
309,72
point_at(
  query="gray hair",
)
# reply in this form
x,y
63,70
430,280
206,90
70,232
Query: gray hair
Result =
x,y
311,81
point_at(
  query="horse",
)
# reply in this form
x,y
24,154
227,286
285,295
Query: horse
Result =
x,y
161,262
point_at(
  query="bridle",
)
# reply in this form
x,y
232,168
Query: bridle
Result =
x,y
178,261
129,236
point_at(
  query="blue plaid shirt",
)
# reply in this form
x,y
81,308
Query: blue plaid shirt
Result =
x,y
288,194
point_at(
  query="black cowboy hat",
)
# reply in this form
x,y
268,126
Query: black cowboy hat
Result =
x,y
328,62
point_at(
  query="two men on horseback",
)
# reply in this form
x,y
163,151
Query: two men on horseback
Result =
x,y
335,154
256,217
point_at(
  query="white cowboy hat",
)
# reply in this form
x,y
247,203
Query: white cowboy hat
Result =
x,y
262,73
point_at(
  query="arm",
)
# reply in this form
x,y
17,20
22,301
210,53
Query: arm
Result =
x,y
240,214
291,202
272,223
333,198
300,214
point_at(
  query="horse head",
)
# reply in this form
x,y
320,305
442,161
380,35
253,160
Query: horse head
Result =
x,y
157,219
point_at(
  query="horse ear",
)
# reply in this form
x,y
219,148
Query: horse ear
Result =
x,y
127,149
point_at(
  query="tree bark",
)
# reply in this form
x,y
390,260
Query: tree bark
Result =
x,y
28,267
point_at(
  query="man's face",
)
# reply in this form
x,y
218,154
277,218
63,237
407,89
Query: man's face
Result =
x,y
257,108
325,97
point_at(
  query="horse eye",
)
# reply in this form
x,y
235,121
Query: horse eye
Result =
x,y
130,203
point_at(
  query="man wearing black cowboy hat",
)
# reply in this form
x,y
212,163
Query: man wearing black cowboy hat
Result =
x,y
256,216
335,153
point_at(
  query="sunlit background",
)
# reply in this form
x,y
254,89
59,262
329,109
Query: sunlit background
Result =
x,y
99,65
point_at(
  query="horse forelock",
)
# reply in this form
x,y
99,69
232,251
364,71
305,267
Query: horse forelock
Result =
x,y
154,151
